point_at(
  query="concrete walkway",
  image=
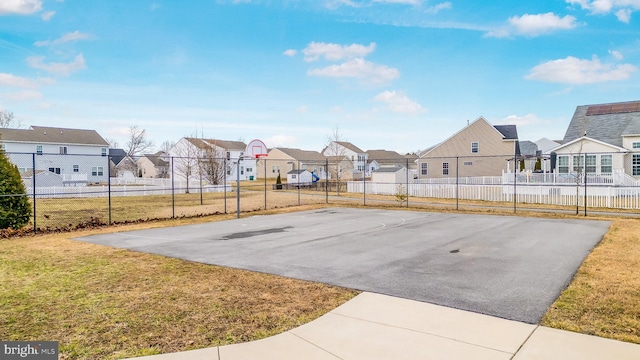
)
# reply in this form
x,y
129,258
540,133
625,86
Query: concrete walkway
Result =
x,y
373,326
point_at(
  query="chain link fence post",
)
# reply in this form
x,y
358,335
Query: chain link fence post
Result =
x,y
33,182
173,190
109,187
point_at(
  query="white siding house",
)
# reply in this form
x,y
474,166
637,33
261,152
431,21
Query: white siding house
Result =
x,y
76,155
199,158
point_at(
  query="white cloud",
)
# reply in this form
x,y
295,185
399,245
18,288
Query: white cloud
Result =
x,y
621,8
407,2
24,95
20,7
281,141
360,69
572,70
525,120
302,109
534,25
436,8
17,81
72,36
62,69
616,54
290,52
335,52
47,15
399,102
624,15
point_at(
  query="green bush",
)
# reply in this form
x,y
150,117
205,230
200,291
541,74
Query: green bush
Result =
x,y
15,209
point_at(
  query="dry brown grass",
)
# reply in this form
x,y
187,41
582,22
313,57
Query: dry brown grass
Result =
x,y
106,303
604,296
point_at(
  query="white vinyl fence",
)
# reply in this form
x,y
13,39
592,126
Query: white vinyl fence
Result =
x,y
559,194
118,190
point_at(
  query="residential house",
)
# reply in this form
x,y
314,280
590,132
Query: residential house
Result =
x,y
385,158
479,149
78,155
601,139
154,165
282,160
122,165
212,160
340,168
357,156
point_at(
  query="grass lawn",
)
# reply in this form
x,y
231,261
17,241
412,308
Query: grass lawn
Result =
x,y
106,303
604,297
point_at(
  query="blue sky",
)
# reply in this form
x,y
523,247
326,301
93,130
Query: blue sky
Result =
x,y
390,74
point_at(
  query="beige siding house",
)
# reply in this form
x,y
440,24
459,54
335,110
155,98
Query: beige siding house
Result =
x,y
479,149
283,160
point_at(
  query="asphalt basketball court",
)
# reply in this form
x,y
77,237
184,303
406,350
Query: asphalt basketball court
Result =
x,y
506,266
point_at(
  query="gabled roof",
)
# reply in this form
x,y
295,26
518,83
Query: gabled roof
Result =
x,y
302,155
510,132
227,145
346,145
156,159
392,169
528,148
545,145
117,155
53,135
586,138
297,171
605,122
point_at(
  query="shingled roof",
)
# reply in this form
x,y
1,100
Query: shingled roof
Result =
x,y
224,144
605,122
299,154
53,135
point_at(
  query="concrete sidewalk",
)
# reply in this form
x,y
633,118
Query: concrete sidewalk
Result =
x,y
373,326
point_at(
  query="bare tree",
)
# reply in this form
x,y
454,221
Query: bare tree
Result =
x,y
335,153
212,166
166,146
186,160
8,120
113,144
138,143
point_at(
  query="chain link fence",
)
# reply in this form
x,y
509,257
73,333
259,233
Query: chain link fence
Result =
x,y
67,191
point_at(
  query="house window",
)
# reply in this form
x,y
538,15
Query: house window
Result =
x,y
475,147
590,164
273,169
467,163
606,164
97,171
424,168
636,145
76,168
63,150
39,149
228,170
103,151
249,170
578,163
55,170
293,176
636,164
241,170
228,155
445,168
563,164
